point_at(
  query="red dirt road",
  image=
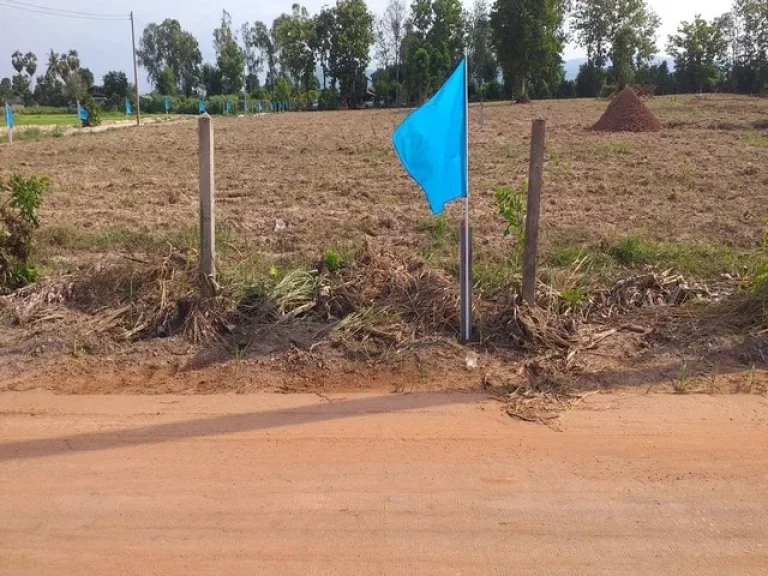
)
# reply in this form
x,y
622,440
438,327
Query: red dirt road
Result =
x,y
416,484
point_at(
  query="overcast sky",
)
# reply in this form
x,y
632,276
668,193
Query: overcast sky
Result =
x,y
106,45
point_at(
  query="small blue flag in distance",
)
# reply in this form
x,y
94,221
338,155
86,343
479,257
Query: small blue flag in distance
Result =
x,y
128,107
201,107
8,115
167,104
229,107
432,143
82,113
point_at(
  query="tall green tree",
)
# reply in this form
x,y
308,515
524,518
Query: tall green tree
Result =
x,y
115,84
390,29
6,90
86,76
167,45
260,41
699,50
230,57
432,45
30,64
351,40
254,60
20,87
17,61
166,83
324,24
483,65
747,30
25,66
529,40
64,81
596,24
446,37
212,80
296,39
623,65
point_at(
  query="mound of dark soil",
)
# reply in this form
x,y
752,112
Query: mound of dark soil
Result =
x,y
627,113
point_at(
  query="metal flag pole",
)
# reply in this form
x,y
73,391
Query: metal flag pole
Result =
x,y
465,261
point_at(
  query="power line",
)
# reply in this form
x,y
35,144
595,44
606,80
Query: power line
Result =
x,y
36,9
64,10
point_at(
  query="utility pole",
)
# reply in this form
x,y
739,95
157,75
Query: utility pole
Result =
x,y
135,72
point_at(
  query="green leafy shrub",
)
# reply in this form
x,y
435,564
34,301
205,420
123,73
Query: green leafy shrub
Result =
x,y
511,206
608,91
94,111
332,261
329,99
18,222
572,298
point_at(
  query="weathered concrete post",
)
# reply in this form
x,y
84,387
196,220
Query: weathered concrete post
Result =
x,y
207,208
535,171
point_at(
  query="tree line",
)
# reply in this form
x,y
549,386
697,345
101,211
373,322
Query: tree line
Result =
x,y
515,50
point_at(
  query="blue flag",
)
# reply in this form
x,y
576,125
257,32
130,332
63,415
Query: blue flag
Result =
x,y
128,107
258,107
228,107
432,143
8,115
82,113
201,107
245,106
167,104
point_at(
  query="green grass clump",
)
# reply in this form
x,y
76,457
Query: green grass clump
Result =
x,y
616,148
21,135
756,140
701,260
332,260
437,228
491,278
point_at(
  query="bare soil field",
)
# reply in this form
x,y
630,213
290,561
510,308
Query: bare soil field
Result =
x,y
334,177
690,198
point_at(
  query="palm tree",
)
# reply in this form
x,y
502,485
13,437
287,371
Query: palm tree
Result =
x,y
30,63
17,61
53,65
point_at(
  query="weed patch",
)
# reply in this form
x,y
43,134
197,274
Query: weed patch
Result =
x,y
700,260
511,205
755,140
616,148
18,223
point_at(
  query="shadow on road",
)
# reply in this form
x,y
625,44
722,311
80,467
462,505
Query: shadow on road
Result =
x,y
229,424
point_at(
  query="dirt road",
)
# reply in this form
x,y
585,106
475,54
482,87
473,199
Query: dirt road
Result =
x,y
417,484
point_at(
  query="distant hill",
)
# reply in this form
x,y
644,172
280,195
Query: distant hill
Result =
x,y
572,66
